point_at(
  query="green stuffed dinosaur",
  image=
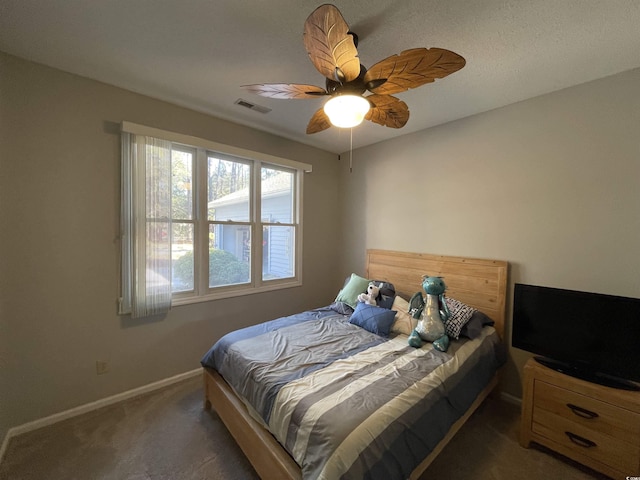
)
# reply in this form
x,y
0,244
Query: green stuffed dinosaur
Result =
x,y
431,314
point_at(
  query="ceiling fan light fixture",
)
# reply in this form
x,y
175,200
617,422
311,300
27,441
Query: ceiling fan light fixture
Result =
x,y
346,111
332,48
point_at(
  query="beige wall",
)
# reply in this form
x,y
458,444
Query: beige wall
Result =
x,y
551,185
59,214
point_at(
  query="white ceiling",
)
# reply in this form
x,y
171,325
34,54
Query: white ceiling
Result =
x,y
197,53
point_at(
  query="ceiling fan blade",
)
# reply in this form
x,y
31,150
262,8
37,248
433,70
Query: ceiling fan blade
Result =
x,y
318,122
387,111
286,90
330,46
412,68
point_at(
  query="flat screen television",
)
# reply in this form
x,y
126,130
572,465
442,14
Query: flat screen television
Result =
x,y
588,335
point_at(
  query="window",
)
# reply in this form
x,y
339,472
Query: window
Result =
x,y
234,226
229,220
182,218
278,223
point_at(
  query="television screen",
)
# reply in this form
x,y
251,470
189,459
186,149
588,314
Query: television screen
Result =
x,y
594,335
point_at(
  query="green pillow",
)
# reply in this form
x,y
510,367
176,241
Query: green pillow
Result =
x,y
354,287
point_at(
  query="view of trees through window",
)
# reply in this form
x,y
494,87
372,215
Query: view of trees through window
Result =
x,y
183,215
228,219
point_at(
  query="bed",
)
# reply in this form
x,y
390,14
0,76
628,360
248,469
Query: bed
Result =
x,y
395,438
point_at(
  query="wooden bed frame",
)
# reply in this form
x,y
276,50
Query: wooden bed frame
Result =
x,y
476,282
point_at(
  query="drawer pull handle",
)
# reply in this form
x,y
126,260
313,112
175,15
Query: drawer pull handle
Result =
x,y
578,440
582,412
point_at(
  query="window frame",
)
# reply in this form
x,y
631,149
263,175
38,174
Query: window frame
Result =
x,y
257,160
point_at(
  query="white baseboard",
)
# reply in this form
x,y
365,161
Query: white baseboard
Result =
x,y
88,407
510,398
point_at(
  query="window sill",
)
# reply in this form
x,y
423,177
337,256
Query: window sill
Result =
x,y
188,300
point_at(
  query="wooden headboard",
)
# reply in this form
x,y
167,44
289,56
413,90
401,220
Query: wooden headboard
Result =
x,y
479,283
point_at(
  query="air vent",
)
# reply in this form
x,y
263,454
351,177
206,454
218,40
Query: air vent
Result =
x,y
252,106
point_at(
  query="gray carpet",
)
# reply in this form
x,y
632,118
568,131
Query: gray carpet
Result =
x,y
166,435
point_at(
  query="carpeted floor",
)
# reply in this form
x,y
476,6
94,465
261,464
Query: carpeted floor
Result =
x,y
167,435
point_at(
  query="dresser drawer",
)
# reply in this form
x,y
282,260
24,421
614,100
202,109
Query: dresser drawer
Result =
x,y
595,425
585,441
588,412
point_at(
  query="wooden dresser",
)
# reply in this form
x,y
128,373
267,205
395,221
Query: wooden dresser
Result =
x,y
595,425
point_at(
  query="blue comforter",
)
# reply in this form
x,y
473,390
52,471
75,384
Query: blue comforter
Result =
x,y
347,403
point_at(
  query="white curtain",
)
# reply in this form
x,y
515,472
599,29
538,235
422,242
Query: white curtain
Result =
x,y
146,225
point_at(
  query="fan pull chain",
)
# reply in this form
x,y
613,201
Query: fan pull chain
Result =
x,y
351,151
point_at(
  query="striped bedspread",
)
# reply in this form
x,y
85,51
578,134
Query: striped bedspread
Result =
x,y
347,403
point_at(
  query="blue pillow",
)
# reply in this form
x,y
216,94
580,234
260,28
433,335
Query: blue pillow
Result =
x,y
374,319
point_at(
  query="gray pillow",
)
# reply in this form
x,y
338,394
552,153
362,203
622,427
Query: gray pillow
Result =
x,y
473,328
386,289
387,293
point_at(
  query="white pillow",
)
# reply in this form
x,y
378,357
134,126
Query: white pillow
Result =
x,y
403,322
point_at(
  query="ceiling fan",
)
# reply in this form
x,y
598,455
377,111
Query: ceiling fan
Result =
x,y
332,49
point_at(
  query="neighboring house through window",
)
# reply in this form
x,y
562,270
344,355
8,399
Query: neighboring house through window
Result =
x,y
277,221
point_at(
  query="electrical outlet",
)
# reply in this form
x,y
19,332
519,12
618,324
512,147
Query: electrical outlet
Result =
x,y
102,367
